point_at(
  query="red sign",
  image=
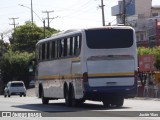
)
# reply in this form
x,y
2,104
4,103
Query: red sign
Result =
x,y
146,63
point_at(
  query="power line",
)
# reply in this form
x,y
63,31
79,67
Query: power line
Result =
x,y
48,12
14,23
71,6
82,7
78,13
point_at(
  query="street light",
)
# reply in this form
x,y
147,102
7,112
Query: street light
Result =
x,y
32,12
30,9
43,21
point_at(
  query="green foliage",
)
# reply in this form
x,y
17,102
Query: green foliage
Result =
x,y
3,47
26,36
14,66
153,51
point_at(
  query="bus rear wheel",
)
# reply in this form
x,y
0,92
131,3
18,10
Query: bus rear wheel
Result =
x,y
67,97
119,102
74,101
106,103
44,100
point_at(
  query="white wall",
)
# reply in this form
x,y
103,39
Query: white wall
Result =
x,y
143,7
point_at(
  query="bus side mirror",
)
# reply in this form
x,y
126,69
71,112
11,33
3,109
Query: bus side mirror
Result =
x,y
32,65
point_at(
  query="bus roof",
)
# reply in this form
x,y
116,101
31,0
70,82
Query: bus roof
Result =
x,y
76,31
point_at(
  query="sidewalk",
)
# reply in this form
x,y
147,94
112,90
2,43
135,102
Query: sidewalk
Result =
x,y
145,98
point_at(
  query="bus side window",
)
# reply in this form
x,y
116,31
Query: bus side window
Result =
x,y
43,51
53,51
61,47
65,47
57,49
39,55
79,40
68,46
71,47
75,45
48,51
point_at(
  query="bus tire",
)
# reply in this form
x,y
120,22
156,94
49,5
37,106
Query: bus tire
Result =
x,y
40,91
44,100
119,102
80,101
73,100
106,103
5,95
67,96
9,95
24,95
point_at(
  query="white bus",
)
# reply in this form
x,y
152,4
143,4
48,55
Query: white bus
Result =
x,y
96,64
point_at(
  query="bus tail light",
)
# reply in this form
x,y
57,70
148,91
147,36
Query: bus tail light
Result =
x,y
136,76
85,77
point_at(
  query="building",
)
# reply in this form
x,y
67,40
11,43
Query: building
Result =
x,y
132,8
144,18
155,11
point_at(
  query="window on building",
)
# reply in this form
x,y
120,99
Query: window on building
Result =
x,y
154,14
141,37
137,38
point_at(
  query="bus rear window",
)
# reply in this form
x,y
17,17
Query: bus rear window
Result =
x,y
109,38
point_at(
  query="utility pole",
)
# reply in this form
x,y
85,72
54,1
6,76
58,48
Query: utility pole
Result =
x,y
32,12
44,29
103,17
1,36
14,23
48,12
124,12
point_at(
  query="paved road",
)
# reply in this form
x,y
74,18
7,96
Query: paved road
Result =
x,y
90,109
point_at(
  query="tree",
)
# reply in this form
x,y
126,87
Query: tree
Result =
x,y
14,66
153,51
3,47
26,36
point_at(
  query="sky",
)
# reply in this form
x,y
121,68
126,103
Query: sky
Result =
x,y
67,14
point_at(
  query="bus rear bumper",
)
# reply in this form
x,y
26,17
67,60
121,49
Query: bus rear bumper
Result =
x,y
100,93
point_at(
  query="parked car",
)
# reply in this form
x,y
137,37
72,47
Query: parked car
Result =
x,y
15,88
32,83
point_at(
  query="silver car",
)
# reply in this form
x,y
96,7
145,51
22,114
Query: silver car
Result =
x,y
15,88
